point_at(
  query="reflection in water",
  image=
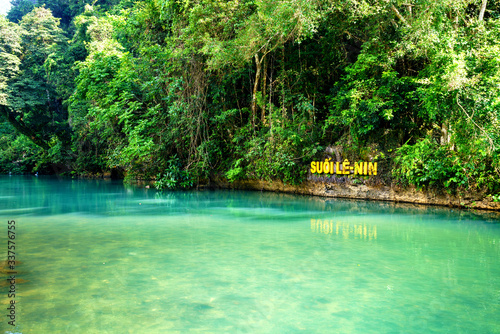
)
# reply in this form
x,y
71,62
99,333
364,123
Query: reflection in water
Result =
x,y
346,230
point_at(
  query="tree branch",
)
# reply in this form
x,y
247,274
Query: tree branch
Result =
x,y
398,14
482,10
492,144
22,128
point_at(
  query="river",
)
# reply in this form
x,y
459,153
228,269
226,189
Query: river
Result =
x,y
100,257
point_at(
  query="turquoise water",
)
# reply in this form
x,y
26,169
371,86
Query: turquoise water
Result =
x,y
98,257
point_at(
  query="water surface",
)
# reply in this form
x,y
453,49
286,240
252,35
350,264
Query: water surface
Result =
x,y
99,257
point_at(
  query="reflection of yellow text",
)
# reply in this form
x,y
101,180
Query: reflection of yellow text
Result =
x,y
345,230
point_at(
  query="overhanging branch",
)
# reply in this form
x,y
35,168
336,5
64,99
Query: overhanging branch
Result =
x,y
22,128
400,17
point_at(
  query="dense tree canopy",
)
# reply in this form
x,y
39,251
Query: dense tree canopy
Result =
x,y
29,77
184,91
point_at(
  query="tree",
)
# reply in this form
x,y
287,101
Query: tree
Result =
x,y
28,95
236,32
19,8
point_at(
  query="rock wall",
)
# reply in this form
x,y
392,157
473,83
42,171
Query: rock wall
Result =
x,y
378,193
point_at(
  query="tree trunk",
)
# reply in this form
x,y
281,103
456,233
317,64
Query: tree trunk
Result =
x,y
258,64
482,10
283,109
271,108
445,135
264,88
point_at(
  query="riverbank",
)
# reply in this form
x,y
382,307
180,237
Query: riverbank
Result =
x,y
365,192
325,188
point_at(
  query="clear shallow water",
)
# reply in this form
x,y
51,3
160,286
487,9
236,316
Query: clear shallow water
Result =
x,y
99,257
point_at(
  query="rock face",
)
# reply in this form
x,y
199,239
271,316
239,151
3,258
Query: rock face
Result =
x,y
378,193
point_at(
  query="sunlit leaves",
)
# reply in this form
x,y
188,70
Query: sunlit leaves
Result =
x,y
10,51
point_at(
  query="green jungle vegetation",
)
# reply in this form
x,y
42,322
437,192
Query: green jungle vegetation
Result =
x,y
185,91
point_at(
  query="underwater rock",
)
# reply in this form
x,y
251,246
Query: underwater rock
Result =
x,y
6,270
5,263
6,282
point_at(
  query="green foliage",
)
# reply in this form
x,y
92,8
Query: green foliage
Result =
x,y
427,164
183,91
19,8
18,155
65,10
174,176
282,154
28,86
236,172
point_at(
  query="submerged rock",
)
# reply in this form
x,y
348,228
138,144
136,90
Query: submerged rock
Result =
x,y
6,282
5,263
